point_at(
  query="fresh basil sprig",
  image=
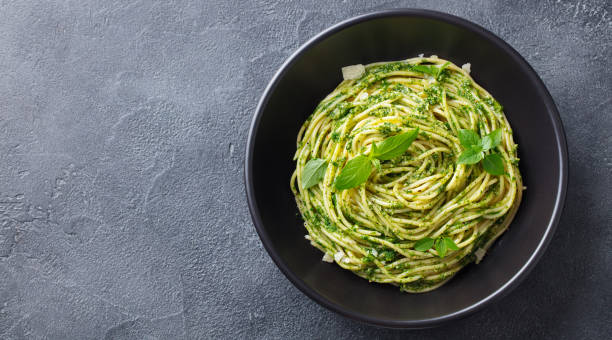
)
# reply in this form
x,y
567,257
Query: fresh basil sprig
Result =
x,y
358,169
314,170
491,140
424,244
394,146
493,164
441,244
475,147
432,70
355,172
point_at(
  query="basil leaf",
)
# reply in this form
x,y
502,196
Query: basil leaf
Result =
x,y
394,146
492,139
441,247
374,149
313,173
471,155
493,164
429,69
442,69
450,244
355,172
424,244
469,138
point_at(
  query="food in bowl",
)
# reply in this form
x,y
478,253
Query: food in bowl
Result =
x,y
406,172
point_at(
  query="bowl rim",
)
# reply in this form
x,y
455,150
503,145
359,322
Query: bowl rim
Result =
x,y
561,148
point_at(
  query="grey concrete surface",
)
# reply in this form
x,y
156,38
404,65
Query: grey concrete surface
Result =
x,y
123,127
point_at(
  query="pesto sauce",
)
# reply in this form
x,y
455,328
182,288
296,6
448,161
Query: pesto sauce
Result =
x,y
429,97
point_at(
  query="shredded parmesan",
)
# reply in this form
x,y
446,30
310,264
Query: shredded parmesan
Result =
x,y
327,258
353,71
338,256
467,67
480,253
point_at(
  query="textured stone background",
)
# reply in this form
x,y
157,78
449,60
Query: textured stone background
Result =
x,y
122,136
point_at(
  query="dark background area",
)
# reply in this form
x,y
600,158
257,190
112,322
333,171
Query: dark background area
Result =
x,y
123,127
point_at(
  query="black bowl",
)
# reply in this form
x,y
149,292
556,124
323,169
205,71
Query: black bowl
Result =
x,y
314,71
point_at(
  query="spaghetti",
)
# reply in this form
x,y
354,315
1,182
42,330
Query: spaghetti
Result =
x,y
380,229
